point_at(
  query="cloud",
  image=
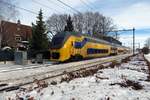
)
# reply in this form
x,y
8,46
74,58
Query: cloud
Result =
x,y
138,40
137,15
140,37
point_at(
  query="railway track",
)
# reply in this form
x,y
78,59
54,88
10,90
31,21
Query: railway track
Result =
x,y
21,67
56,72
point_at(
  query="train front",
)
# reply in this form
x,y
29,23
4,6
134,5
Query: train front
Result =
x,y
59,49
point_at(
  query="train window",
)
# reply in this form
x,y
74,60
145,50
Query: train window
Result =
x,y
78,44
96,51
85,39
57,40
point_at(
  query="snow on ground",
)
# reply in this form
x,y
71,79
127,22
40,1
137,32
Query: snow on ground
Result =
x,y
34,69
106,84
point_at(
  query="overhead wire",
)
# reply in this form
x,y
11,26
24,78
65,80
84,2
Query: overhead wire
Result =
x,y
88,6
69,6
27,10
51,1
89,2
45,6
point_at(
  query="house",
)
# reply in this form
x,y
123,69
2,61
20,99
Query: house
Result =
x,y
11,34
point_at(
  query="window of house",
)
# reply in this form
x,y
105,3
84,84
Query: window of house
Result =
x,y
18,38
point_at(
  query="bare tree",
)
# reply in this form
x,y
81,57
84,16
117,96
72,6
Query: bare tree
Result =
x,y
56,23
88,22
7,10
78,22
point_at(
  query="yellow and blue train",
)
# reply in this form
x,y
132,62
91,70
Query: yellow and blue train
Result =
x,y
66,46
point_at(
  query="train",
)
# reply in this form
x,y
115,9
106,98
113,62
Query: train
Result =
x,y
73,46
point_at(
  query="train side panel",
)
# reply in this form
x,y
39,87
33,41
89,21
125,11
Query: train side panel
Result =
x,y
88,49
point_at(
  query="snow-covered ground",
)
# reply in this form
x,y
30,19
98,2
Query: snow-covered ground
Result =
x,y
126,82
15,74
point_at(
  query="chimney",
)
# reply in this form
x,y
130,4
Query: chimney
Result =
x,y
19,22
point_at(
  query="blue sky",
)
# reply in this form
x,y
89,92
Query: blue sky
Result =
x,y
125,14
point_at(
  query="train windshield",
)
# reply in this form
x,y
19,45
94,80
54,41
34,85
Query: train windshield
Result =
x,y
57,41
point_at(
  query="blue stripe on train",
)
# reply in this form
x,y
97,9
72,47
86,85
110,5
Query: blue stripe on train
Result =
x,y
96,51
79,45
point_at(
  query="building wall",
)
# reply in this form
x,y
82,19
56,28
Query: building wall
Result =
x,y
12,33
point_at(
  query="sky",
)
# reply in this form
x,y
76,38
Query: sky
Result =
x,y
126,14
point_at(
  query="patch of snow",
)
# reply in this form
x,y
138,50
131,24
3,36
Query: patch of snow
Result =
x,y
98,86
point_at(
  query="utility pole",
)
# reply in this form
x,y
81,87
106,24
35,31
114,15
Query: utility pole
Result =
x,y
133,40
116,35
133,30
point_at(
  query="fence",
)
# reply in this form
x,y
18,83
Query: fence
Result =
x,y
6,55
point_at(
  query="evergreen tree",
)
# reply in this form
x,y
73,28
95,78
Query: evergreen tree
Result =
x,y
69,26
39,40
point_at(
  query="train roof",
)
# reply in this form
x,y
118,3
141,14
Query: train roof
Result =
x,y
93,39
68,34
79,35
97,40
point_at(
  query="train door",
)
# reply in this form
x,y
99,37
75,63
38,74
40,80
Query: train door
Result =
x,y
77,50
